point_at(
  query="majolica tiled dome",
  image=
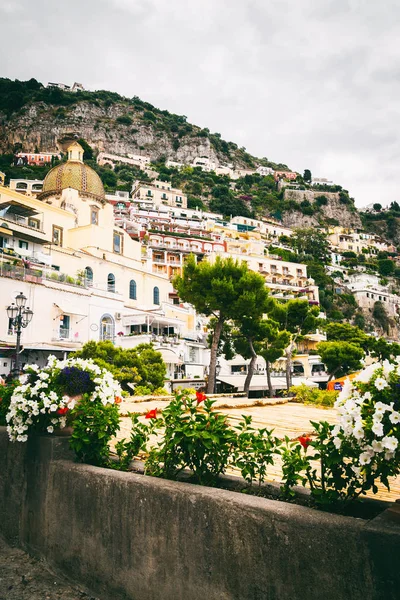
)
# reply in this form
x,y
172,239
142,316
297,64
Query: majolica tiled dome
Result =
x,y
73,174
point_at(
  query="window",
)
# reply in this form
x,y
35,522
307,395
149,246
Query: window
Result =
x,y
57,236
35,223
64,327
89,276
156,296
117,243
106,328
94,215
22,244
132,289
111,282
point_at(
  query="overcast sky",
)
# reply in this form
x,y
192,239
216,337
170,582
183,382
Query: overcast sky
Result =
x,y
312,83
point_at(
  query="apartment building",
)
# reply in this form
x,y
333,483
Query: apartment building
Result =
x,y
29,187
159,193
345,240
134,160
35,158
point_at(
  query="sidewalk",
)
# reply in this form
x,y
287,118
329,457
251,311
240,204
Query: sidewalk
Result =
x,y
24,578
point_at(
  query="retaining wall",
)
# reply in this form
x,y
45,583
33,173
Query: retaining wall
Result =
x,y
128,536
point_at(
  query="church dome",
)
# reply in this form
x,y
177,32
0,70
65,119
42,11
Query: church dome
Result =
x,y
73,174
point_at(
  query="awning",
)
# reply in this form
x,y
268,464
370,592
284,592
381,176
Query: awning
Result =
x,y
24,252
43,258
169,356
50,348
259,382
69,308
337,384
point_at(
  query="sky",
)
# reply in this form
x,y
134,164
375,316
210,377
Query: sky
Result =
x,y
310,83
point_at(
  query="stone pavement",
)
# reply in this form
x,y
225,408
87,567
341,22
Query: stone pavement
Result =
x,y
24,578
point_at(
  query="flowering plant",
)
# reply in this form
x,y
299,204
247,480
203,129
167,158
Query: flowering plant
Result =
x,y
369,423
361,450
46,398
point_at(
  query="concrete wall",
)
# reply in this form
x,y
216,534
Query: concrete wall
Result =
x,y
127,536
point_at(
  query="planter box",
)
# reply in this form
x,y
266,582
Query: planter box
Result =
x,y
128,536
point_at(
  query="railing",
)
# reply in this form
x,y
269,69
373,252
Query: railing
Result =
x,y
66,334
22,273
23,221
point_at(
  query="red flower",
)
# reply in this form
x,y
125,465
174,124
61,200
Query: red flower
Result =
x,y
200,397
63,411
305,441
152,414
117,400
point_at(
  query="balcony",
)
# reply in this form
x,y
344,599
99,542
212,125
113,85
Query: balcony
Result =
x,y
65,334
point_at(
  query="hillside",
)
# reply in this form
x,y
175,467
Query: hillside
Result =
x,y
36,118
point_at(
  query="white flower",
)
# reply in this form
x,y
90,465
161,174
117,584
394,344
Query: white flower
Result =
x,y
390,443
337,442
367,396
50,429
389,455
394,417
356,470
377,428
365,458
380,383
53,407
367,373
358,433
43,375
377,445
381,407
346,391
71,404
336,430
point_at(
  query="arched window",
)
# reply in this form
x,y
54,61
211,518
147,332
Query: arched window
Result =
x,y
111,282
89,276
106,328
132,289
156,296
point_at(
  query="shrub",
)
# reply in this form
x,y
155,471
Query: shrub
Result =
x,y
6,392
124,120
308,395
200,440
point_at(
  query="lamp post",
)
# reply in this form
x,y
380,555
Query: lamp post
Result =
x,y
217,372
20,317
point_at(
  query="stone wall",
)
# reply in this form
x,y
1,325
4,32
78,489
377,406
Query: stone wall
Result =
x,y
128,536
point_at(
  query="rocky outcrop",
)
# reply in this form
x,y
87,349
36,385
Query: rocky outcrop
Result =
x,y
334,210
49,128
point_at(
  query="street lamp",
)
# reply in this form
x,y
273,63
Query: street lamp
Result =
x,y
217,372
20,317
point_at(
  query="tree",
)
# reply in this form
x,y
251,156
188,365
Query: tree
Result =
x,y
377,207
87,149
298,318
312,242
340,357
252,328
344,332
220,290
307,176
380,315
386,267
141,364
383,350
273,347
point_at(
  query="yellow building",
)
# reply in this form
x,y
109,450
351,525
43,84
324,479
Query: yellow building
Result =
x,y
81,274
